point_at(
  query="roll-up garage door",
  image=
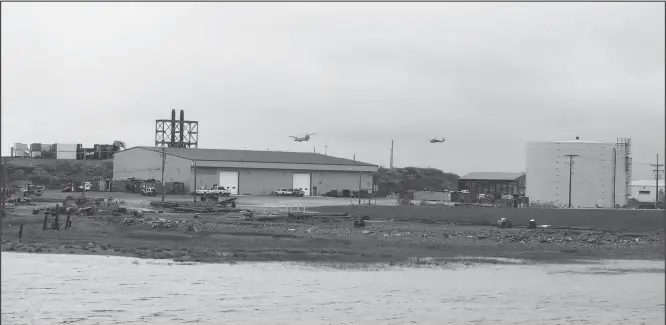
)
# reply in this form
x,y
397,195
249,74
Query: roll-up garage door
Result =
x,y
229,179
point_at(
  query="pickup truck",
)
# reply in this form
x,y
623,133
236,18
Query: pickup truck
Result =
x,y
283,192
216,190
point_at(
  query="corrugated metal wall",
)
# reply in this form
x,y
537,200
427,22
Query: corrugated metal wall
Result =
x,y
592,173
265,181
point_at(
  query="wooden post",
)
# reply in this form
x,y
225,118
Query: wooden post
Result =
x,y
21,231
57,217
46,220
68,223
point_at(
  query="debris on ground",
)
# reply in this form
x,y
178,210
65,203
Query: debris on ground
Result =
x,y
504,223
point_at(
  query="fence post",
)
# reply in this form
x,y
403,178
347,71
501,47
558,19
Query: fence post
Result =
x,y
46,220
21,231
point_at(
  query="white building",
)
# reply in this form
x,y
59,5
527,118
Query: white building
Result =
x,y
600,174
65,151
20,150
644,191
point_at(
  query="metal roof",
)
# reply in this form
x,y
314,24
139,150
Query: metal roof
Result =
x,y
255,156
648,183
493,176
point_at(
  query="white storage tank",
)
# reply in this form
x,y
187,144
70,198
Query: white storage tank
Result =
x,y
599,175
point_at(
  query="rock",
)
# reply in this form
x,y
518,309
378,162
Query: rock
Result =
x,y
359,223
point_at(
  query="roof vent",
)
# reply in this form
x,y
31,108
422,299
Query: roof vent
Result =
x,y
577,138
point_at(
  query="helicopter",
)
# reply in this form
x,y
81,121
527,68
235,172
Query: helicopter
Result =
x,y
435,140
302,139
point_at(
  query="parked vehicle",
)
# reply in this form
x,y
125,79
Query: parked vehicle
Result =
x,y
28,190
283,192
216,190
219,190
202,190
71,187
151,191
88,187
298,192
364,194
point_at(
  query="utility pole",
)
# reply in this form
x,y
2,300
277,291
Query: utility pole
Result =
x,y
195,182
570,172
163,163
83,175
656,177
360,176
391,163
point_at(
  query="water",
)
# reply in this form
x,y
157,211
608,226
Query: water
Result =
x,y
51,289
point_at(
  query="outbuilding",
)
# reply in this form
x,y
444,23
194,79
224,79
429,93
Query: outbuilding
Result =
x,y
492,182
644,191
244,171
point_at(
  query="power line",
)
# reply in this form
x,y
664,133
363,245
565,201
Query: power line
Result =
x,y
657,176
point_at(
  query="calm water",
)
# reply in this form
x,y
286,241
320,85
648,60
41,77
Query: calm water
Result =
x,y
51,289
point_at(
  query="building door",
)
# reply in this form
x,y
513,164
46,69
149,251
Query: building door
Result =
x,y
229,179
302,181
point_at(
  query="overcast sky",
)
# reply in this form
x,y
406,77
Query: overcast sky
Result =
x,y
487,76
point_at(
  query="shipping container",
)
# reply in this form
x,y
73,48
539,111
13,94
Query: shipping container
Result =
x,y
36,147
20,146
66,155
46,148
35,154
65,150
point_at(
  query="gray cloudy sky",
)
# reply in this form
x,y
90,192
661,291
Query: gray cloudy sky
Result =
x,y
487,76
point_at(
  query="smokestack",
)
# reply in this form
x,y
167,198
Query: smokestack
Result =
x,y
182,126
391,164
173,128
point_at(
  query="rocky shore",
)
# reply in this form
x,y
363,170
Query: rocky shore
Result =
x,y
229,238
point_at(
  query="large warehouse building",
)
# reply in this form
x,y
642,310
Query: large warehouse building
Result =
x,y
600,173
244,171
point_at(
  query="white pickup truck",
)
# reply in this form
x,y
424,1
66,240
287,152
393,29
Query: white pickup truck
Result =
x,y
283,192
216,190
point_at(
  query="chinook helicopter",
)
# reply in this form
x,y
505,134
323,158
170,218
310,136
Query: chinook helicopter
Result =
x,y
435,140
302,139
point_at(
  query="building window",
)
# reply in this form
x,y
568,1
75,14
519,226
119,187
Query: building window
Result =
x,y
644,192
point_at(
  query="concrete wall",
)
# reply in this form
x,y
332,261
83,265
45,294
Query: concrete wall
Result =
x,y
264,181
146,164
